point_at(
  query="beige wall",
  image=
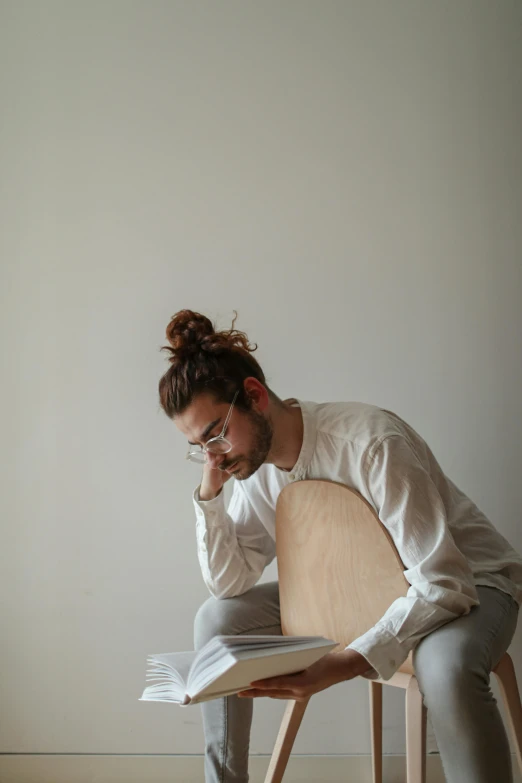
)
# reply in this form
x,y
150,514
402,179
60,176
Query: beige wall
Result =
x,y
347,175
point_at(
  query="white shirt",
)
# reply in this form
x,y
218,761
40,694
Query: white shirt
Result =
x,y
446,543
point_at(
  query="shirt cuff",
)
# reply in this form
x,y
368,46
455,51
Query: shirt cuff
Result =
x,y
211,512
382,651
205,503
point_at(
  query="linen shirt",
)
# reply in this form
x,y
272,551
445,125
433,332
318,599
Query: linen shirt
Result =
x,y
447,545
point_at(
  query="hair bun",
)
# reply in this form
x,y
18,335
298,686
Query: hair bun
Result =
x,y
191,334
188,332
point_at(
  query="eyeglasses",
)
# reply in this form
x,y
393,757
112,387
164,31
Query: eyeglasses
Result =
x,y
217,445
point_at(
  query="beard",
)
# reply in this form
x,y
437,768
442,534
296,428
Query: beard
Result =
x,y
263,433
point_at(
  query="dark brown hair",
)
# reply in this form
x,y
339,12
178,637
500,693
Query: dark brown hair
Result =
x,y
204,360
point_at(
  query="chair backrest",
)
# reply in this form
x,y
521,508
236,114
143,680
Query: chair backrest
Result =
x,y
338,567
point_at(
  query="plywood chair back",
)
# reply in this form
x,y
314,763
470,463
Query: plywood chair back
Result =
x,y
339,571
338,567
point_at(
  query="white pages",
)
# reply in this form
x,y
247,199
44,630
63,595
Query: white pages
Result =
x,y
228,664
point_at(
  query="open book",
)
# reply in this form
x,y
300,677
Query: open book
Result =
x,y
228,664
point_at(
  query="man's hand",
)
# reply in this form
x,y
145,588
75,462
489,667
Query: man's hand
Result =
x,y
331,668
212,482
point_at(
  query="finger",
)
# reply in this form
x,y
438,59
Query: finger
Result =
x,y
272,694
278,682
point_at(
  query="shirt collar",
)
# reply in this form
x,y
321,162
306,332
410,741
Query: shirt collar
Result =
x,y
309,438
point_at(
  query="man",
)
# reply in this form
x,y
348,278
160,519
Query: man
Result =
x,y
460,613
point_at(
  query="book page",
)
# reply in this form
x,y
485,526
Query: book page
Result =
x,y
259,651
167,675
267,639
241,673
168,664
206,669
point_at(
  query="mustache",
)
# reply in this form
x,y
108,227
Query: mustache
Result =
x,y
226,467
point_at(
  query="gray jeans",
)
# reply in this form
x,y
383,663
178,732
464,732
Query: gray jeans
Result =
x,y
452,665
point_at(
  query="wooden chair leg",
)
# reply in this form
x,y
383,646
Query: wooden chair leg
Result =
x,y
376,730
507,680
285,739
416,721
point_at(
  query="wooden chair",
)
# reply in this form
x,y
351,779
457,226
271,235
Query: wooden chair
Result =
x,y
339,571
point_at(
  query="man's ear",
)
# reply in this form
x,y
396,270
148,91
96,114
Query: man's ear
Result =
x,y
250,398
256,395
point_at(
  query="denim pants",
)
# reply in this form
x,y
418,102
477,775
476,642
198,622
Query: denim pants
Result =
x,y
452,666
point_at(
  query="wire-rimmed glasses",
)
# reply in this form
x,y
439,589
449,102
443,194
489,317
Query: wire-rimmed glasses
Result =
x,y
217,445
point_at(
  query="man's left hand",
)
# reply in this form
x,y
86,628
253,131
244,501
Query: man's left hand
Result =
x,y
331,668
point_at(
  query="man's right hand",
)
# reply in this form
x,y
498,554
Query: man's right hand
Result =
x,y
212,482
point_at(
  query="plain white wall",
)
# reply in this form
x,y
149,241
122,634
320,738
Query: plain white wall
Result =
x,y
347,175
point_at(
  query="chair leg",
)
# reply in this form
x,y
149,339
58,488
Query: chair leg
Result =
x,y
285,739
416,721
507,680
376,730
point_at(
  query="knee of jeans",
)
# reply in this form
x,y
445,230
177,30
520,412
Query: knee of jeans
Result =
x,y
444,680
212,618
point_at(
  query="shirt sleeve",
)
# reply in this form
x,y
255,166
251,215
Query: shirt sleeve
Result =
x,y
233,545
442,587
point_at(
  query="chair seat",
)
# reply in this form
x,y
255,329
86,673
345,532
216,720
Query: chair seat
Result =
x,y
407,666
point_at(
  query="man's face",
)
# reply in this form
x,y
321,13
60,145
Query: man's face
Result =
x,y
249,432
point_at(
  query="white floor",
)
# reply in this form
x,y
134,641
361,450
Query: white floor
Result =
x,y
48,768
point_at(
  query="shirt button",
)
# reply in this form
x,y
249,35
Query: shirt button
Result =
x,y
292,476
